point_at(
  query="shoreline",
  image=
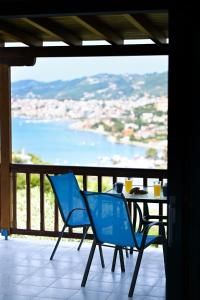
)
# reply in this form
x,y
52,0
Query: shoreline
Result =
x,y
159,145
105,158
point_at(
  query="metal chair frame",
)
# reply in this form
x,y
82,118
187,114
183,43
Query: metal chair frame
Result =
x,y
85,227
140,248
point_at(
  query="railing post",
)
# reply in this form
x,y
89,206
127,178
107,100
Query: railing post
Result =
x,y
5,150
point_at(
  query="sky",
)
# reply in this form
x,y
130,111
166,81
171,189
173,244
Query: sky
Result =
x,y
50,69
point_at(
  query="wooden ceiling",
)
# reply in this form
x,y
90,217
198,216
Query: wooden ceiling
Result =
x,y
117,24
29,23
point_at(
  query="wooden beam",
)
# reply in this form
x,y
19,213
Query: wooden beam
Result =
x,y
97,27
18,61
85,51
18,34
5,151
145,26
54,29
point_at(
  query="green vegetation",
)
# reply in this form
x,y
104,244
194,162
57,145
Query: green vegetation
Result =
x,y
151,153
34,179
144,109
145,123
154,84
35,159
118,125
34,182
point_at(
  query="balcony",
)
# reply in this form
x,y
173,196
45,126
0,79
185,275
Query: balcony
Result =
x,y
27,273
25,264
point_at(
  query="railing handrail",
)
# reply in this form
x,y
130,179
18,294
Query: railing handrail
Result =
x,y
85,172
90,171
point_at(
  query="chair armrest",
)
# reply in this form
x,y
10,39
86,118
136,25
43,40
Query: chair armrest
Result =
x,y
148,227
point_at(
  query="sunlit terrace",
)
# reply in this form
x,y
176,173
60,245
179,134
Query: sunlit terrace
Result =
x,y
27,273
24,262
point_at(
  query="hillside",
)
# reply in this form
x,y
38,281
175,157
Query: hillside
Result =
x,y
100,86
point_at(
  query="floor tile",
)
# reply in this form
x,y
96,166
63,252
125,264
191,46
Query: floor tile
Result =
x,y
28,274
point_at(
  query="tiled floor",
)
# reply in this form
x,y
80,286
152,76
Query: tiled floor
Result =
x,y
27,273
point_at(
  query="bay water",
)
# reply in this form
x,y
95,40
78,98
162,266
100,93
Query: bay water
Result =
x,y
56,143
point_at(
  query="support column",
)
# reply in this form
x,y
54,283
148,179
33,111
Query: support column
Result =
x,y
183,259
5,149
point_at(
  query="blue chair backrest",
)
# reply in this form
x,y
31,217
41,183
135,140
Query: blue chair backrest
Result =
x,y
69,197
109,218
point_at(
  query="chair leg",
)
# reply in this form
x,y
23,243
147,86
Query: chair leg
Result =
x,y
127,255
58,241
87,269
114,259
101,256
121,257
134,278
85,230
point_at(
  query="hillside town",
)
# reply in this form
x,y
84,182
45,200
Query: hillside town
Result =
x,y
142,122
123,121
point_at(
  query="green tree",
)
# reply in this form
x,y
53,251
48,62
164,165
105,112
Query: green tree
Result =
x,y
118,125
35,159
151,153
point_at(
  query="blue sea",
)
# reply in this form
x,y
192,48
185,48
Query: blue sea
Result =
x,y
56,143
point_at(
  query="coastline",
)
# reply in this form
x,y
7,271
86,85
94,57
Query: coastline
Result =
x,y
158,145
139,126
104,153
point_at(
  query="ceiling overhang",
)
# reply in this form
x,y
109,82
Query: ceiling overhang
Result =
x,y
75,25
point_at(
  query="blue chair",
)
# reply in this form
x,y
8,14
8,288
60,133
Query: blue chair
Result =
x,y
71,205
111,224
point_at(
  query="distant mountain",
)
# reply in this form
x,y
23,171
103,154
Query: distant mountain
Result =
x,y
100,86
